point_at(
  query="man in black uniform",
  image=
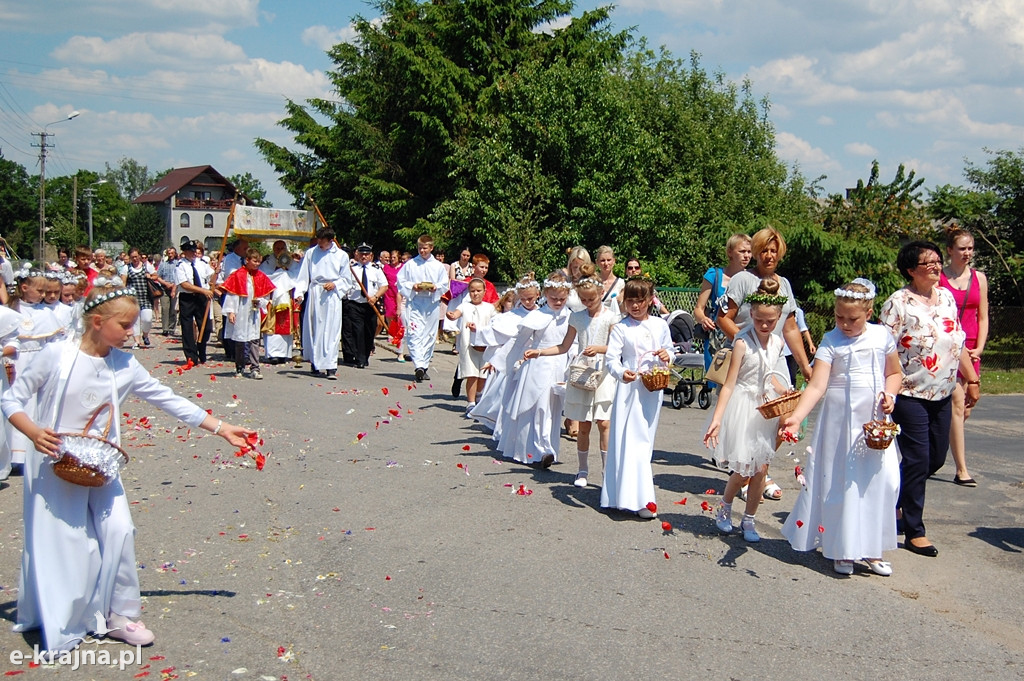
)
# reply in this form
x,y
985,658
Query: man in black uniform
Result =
x,y
193,278
358,319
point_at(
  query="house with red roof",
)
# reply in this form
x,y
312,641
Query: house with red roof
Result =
x,y
194,202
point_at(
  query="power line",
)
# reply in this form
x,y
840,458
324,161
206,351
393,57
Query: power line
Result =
x,y
12,102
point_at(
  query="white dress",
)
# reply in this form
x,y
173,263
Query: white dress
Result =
x,y
628,478
10,322
78,563
321,330
747,439
499,339
532,413
591,405
39,328
470,360
851,489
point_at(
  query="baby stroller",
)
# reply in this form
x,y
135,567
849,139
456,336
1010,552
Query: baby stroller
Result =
x,y
688,363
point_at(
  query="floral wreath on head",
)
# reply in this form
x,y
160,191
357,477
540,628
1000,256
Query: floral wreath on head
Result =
x,y
101,282
857,295
551,283
766,299
589,281
28,271
523,285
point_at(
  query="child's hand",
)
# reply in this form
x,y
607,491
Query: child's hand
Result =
x,y
231,317
48,442
711,437
471,326
664,356
590,351
888,403
487,368
236,435
628,376
530,354
451,316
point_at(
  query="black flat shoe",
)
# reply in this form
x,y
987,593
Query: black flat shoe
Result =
x,y
930,551
965,482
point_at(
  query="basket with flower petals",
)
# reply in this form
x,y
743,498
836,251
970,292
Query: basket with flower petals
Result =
x,y
656,377
879,433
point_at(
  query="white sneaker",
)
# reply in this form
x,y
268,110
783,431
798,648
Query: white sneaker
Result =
x,y
843,567
880,567
581,480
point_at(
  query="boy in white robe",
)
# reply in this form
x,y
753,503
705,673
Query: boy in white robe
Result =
x,y
248,294
421,282
325,278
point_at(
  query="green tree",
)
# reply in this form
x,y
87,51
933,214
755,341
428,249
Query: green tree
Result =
x,y
653,156
414,88
886,212
144,228
130,177
251,187
19,202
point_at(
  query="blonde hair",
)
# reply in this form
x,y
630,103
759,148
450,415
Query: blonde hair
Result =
x,y
601,250
578,253
763,238
106,309
735,240
587,281
425,240
866,303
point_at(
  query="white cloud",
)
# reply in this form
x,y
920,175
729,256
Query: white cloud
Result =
x,y
325,38
792,148
165,49
860,149
107,16
826,120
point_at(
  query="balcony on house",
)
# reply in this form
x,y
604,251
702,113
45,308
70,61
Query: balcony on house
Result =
x,y
202,204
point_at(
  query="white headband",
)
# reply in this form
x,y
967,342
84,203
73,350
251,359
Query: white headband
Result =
x,y
550,283
106,297
857,295
103,282
522,285
593,281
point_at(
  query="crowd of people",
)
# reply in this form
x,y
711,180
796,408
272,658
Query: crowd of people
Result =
x,y
576,349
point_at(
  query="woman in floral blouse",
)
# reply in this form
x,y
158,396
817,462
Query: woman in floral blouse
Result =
x,y
922,317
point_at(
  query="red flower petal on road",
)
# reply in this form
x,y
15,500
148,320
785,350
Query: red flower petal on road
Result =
x,y
199,395
666,526
393,412
234,397
681,502
705,506
710,491
213,378
387,578
458,465
465,448
260,461
666,555
384,390
652,507
360,436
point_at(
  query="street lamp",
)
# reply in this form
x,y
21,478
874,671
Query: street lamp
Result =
x,y
89,194
43,146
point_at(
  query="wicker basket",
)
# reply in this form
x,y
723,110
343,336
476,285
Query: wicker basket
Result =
x,y
784,405
89,460
656,378
879,434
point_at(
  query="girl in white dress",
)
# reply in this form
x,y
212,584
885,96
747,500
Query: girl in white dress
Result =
x,y
532,428
588,329
503,348
747,441
39,327
475,315
851,490
634,345
78,571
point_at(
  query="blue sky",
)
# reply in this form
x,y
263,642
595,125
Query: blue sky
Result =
x,y
927,83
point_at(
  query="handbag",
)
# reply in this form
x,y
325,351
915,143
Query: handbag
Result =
x,y
156,290
719,369
585,373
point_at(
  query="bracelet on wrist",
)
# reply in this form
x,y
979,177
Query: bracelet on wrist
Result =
x,y
217,429
978,382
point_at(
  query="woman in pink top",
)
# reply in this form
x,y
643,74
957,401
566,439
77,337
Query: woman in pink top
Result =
x,y
970,291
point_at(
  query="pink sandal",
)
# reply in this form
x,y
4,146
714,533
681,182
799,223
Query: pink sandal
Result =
x,y
133,633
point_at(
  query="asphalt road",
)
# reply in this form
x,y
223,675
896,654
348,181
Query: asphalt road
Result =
x,y
382,558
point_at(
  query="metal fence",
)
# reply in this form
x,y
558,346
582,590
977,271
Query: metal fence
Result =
x,y
678,298
1005,346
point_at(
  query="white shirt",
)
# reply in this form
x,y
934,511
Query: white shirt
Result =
x,y
183,272
375,279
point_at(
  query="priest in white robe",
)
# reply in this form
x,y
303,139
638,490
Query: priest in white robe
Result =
x,y
324,280
283,272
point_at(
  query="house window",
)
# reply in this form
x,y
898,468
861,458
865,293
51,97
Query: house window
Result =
x,y
208,221
183,221
202,196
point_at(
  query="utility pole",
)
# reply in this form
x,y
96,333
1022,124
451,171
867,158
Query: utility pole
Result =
x,y
43,146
